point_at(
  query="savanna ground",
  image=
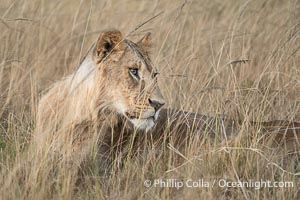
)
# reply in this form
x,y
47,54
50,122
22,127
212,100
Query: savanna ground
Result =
x,y
240,59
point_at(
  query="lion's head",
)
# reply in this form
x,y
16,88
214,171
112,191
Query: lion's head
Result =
x,y
130,78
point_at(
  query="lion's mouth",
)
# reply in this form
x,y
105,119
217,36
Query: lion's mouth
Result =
x,y
152,117
145,122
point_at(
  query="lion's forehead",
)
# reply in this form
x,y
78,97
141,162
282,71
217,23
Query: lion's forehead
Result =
x,y
140,54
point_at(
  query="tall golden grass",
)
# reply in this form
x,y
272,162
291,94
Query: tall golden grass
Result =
x,y
235,58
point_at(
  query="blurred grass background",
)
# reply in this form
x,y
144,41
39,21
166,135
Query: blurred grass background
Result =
x,y
235,58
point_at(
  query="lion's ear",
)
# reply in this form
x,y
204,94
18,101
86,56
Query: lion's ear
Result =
x,y
145,42
108,42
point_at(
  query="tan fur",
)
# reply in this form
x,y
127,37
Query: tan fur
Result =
x,y
103,92
102,101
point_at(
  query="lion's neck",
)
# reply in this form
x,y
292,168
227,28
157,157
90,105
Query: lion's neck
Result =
x,y
84,93
86,75
88,99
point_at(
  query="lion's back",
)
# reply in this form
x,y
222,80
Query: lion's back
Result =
x,y
50,106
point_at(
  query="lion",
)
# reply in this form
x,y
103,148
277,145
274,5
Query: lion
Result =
x,y
116,82
114,94
117,77
112,102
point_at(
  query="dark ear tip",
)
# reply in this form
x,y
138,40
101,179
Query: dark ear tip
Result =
x,y
112,32
146,40
147,36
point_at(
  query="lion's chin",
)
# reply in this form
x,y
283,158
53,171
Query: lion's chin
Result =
x,y
143,124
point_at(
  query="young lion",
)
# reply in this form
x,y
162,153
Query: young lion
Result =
x,y
115,83
112,96
113,93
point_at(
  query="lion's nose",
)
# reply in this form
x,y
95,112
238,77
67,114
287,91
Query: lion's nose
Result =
x,y
156,104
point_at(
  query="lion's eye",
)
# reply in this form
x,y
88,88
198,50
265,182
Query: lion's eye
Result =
x,y
155,74
134,72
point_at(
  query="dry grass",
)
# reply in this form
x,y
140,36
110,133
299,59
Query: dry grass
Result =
x,y
235,58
